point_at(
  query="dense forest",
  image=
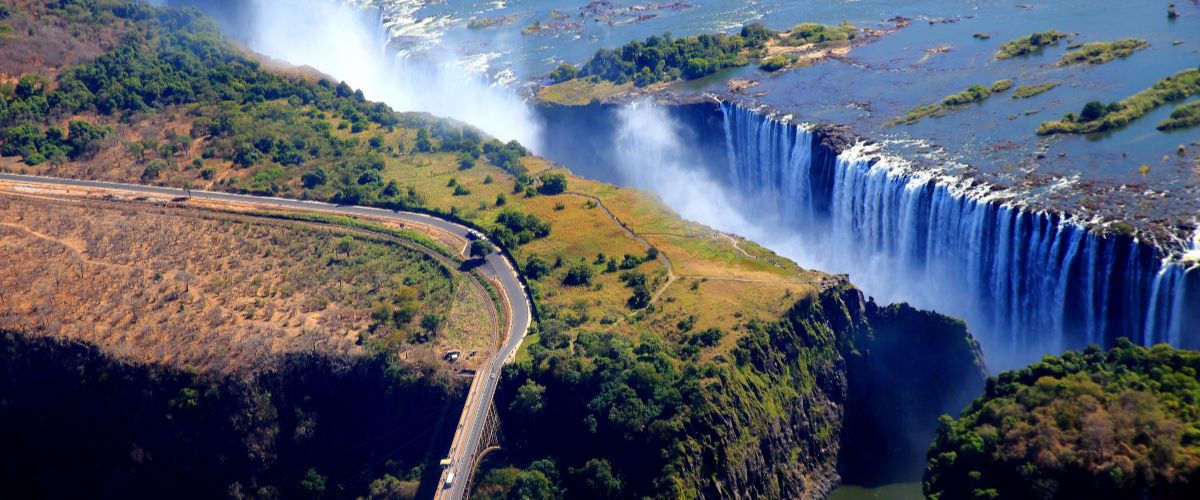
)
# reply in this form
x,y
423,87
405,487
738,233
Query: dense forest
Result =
x,y
76,423
665,59
1092,424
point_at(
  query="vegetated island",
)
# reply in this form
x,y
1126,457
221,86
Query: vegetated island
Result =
x,y
1098,117
1184,116
1118,424
1102,52
1027,91
1029,45
662,59
973,94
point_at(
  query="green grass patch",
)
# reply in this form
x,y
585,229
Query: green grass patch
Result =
x,y
1030,44
1098,117
1027,91
1184,116
1102,52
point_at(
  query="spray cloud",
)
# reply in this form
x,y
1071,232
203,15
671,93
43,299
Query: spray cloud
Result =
x,y
348,43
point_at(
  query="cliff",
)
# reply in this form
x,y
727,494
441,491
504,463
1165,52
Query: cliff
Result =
x,y
797,400
78,423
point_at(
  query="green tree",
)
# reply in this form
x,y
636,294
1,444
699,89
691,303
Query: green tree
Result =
x,y
532,485
530,398
578,275
1092,111
536,267
85,139
596,480
313,482
553,184
481,249
563,73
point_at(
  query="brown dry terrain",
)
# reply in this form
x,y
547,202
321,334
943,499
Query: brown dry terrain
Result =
x,y
33,41
223,291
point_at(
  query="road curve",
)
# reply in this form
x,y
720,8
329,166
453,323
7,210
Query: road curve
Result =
x,y
497,267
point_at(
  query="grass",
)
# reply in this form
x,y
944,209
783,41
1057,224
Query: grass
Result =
x,y
1029,45
581,91
1027,91
1119,114
1102,52
973,94
1184,116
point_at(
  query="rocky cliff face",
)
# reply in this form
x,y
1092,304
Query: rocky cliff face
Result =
x,y
839,386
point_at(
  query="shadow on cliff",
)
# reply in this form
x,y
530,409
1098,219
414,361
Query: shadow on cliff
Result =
x,y
76,423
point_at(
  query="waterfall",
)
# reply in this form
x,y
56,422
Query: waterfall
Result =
x,y
1028,283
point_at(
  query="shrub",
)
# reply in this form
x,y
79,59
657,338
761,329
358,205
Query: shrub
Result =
x,y
578,275
553,184
774,63
154,169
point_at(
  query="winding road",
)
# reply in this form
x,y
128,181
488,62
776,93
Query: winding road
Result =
x,y
497,267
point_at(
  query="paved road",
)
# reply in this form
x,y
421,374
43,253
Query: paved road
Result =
x,y
497,267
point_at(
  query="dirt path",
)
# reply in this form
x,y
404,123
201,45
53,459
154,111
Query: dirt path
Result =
x,y
662,257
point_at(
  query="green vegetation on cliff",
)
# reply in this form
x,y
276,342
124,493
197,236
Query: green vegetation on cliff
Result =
x,y
1118,424
77,422
700,416
1099,117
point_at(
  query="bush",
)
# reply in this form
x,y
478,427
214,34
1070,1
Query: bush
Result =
x,y
154,169
553,184
579,275
563,73
774,63
536,268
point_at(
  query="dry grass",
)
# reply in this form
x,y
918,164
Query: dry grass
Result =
x,y
213,291
581,91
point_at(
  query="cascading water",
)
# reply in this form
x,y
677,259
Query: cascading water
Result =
x,y
1027,283
349,40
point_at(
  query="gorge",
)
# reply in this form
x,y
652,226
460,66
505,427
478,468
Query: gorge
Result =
x,y
732,294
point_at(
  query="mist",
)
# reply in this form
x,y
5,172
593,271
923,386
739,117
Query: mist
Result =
x,y
651,156
348,43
